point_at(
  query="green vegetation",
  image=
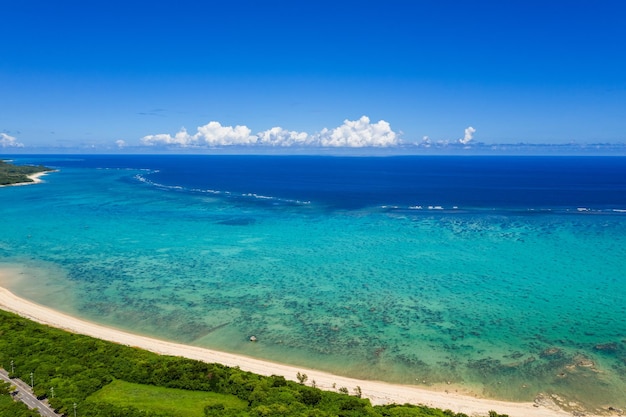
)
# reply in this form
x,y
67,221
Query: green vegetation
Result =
x,y
16,174
164,400
112,380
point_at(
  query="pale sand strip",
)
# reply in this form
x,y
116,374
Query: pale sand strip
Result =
x,y
378,392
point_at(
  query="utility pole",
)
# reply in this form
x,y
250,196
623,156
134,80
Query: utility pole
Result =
x,y
52,391
12,368
32,380
74,409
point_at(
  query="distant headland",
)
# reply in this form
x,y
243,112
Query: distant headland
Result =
x,y
11,174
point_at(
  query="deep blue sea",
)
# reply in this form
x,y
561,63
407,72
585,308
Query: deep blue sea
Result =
x,y
500,276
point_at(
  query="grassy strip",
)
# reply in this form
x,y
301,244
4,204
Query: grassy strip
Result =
x,y
162,400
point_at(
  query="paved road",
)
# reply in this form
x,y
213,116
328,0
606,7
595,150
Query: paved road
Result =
x,y
25,395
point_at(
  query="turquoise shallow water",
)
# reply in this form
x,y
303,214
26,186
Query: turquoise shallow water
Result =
x,y
502,305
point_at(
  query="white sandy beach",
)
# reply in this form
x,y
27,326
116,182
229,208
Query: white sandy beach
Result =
x,y
378,392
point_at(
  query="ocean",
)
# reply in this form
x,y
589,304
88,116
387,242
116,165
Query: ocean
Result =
x,y
503,277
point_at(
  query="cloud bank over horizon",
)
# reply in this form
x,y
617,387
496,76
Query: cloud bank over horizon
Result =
x,y
351,134
358,135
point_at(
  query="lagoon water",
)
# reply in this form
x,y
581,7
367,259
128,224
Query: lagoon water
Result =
x,y
500,276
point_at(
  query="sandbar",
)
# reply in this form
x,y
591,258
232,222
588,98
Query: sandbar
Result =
x,y
377,392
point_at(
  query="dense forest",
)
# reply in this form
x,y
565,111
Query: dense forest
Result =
x,y
17,174
96,375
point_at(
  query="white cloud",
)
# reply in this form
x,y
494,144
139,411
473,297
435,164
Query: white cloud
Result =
x,y
182,138
469,135
7,141
277,136
212,134
215,134
120,143
357,133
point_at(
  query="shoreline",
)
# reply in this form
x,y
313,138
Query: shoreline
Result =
x,y
36,177
377,392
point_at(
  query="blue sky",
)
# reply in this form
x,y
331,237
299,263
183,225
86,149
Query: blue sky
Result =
x,y
133,75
